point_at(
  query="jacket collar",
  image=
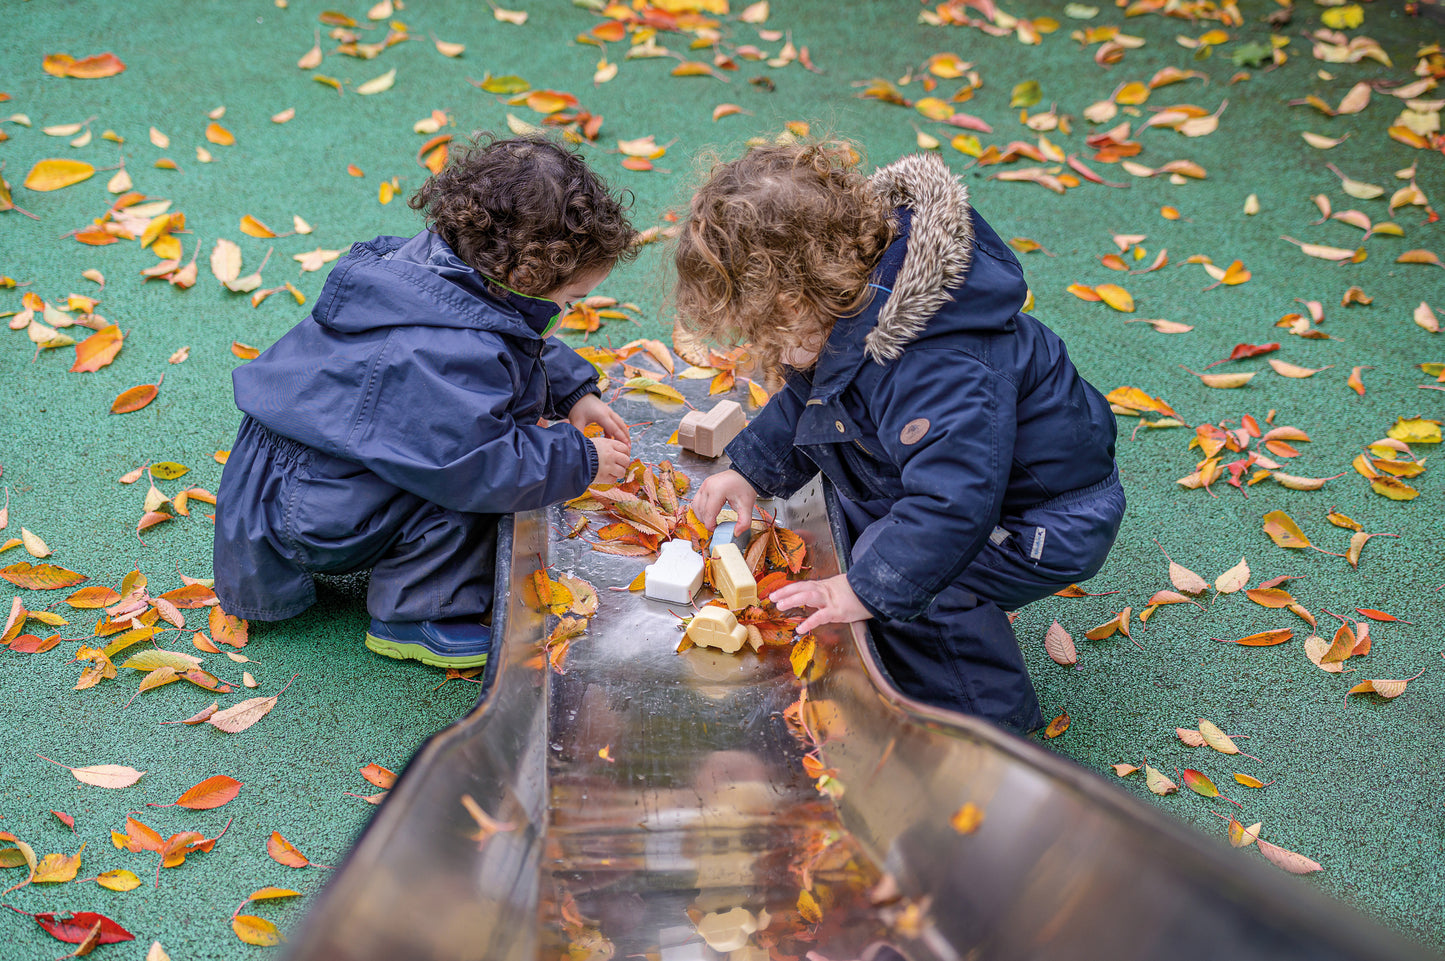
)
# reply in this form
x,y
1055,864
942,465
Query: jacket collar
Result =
x,y
938,255
540,315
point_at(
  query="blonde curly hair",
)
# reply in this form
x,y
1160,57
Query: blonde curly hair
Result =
x,y
777,245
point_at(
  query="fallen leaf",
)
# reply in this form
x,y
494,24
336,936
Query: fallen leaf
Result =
x,y
213,792
1057,726
1287,860
118,879
54,174
967,819
1233,579
134,399
378,84
256,930
78,927
1157,782
284,852
1059,645
101,775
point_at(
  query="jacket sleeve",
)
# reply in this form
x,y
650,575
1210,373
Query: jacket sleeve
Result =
x,y
953,478
439,422
569,378
764,453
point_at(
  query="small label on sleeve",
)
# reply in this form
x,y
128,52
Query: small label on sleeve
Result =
x,y
913,431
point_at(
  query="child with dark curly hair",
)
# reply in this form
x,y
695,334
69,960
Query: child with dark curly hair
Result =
x,y
392,427
975,465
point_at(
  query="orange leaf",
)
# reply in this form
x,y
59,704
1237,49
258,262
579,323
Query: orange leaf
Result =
x,y
93,597
46,577
1265,638
98,350
218,134
284,852
379,776
245,351
134,399
210,793
90,68
226,629
1057,726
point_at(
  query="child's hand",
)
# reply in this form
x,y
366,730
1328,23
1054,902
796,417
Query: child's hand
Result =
x,y
612,459
592,409
832,596
728,487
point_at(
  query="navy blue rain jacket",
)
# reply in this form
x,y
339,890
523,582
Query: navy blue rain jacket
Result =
x,y
939,410
389,429
412,368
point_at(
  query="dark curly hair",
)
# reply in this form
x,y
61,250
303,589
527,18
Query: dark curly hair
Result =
x,y
777,245
526,212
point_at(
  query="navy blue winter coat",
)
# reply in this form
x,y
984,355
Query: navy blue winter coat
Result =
x,y
941,412
412,391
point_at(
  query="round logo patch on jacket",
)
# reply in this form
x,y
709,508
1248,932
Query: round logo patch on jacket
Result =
x,y
913,431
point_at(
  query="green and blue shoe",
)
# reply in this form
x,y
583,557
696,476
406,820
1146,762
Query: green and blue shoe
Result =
x,y
458,642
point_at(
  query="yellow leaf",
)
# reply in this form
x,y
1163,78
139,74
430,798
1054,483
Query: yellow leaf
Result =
x,y
257,931
934,108
802,654
118,880
650,386
1116,297
1416,430
56,173
252,227
1343,18
808,908
967,819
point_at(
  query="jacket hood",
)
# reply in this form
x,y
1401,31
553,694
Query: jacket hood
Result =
x,y
421,282
952,257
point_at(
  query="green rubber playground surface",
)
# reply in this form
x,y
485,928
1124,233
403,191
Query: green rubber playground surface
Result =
x,y
1355,779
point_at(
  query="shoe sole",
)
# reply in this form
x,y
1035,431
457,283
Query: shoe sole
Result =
x,y
401,651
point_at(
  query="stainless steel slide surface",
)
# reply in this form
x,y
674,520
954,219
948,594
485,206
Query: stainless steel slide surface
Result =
x,y
650,804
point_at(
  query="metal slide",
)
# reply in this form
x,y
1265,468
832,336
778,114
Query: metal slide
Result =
x,y
656,805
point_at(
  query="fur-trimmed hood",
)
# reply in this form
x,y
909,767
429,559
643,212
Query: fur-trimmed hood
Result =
x,y
943,241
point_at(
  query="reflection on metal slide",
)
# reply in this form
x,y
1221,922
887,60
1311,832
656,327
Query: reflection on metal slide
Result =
x,y
656,805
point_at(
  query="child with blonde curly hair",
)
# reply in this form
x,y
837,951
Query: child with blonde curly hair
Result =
x,y
392,427
975,465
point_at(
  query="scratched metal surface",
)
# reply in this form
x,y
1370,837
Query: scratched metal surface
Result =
x,y
642,790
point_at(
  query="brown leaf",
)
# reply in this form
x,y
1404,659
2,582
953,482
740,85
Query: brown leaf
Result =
x,y
1287,860
242,715
1059,645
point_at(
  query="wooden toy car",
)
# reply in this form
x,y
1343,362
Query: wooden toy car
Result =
x,y
706,434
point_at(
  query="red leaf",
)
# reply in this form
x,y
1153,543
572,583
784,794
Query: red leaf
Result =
x,y
75,928
1375,615
65,819
1241,351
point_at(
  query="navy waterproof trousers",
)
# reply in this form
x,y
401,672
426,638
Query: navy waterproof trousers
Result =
x,y
286,511
962,653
